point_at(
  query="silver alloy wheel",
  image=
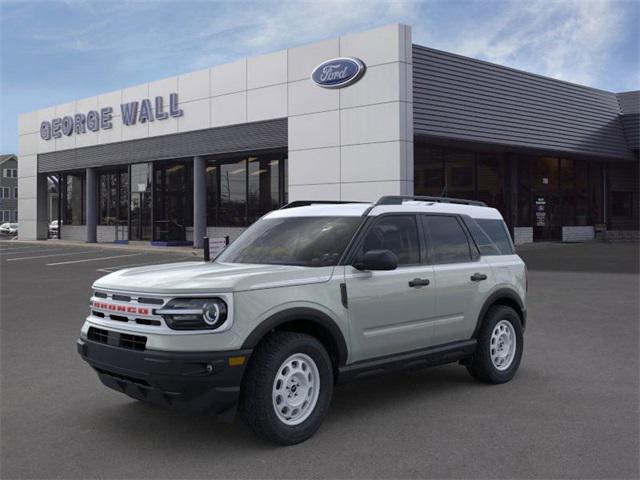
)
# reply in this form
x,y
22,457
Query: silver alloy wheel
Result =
x,y
503,345
296,389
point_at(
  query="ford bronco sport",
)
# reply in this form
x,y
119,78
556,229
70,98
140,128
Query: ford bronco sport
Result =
x,y
310,296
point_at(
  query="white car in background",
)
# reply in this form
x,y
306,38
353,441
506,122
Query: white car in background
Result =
x,y
9,229
54,229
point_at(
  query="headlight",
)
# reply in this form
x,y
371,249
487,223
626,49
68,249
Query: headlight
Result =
x,y
194,313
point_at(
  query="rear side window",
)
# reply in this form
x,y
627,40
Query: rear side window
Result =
x,y
484,243
446,239
498,233
398,234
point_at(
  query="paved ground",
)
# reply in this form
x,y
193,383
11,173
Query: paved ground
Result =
x,y
572,410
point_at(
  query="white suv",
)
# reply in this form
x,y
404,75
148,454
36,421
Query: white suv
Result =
x,y
312,295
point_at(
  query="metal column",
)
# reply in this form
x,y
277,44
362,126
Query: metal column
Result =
x,y
91,205
199,201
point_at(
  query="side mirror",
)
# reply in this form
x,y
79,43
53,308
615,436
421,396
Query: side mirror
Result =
x,y
377,260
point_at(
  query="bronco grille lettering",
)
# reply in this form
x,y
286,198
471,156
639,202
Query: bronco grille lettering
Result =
x,y
110,307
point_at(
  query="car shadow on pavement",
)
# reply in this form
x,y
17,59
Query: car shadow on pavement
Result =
x,y
359,401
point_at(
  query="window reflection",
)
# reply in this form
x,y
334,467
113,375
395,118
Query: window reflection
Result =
x,y
242,189
528,190
113,197
73,199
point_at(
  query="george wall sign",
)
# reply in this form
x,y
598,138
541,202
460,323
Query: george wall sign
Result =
x,y
94,120
339,72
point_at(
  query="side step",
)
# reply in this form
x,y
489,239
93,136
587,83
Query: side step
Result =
x,y
428,357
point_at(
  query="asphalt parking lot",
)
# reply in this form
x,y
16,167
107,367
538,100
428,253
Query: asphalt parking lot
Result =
x,y
571,412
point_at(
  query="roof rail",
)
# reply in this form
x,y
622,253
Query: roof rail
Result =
x,y
398,199
306,203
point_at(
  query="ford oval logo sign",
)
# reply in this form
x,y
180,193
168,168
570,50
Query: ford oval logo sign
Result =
x,y
338,73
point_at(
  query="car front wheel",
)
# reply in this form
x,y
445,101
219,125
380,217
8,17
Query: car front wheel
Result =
x,y
287,388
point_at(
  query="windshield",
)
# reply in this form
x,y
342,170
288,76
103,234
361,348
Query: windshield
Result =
x,y
305,241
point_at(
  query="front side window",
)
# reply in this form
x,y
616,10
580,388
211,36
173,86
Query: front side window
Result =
x,y
304,241
398,234
447,241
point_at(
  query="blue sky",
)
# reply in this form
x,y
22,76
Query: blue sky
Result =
x,y
57,51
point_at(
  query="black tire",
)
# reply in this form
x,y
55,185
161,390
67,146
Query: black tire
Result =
x,y
481,367
256,403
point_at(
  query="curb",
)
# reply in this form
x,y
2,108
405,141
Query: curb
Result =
x,y
186,251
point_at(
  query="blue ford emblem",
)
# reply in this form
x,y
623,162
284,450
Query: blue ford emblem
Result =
x,y
338,73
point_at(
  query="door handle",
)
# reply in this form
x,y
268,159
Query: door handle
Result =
x,y
418,282
477,277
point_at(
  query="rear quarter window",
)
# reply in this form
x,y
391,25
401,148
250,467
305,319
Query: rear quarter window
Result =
x,y
491,236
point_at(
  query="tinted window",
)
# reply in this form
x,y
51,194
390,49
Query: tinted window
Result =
x,y
306,241
398,234
484,243
497,232
447,240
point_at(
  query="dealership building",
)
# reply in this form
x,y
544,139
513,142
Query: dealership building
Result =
x,y
350,118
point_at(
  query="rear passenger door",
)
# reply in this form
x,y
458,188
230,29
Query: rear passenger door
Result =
x,y
462,278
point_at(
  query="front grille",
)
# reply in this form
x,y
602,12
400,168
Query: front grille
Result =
x,y
151,301
121,298
134,342
128,309
98,335
122,340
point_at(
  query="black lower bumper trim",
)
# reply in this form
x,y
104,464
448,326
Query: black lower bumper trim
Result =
x,y
196,382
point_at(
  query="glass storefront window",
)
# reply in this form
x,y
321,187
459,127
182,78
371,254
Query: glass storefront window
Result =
x,y
581,175
113,198
428,170
543,192
233,194
264,186
240,190
140,201
73,199
490,181
596,192
523,176
173,200
460,174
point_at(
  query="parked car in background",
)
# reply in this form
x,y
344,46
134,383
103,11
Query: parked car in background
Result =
x,y
9,229
54,229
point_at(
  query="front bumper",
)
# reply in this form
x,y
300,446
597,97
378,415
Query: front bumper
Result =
x,y
196,382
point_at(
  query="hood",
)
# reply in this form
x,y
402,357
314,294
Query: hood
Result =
x,y
204,277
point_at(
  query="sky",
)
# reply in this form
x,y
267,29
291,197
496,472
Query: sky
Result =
x,y
55,51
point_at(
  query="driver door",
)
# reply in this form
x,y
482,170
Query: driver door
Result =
x,y
389,312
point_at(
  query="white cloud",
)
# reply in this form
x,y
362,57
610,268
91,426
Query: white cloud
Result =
x,y
569,40
269,26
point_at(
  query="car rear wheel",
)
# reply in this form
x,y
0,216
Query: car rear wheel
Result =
x,y
500,343
287,388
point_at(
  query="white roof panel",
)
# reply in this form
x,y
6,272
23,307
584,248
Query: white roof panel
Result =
x,y
357,209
